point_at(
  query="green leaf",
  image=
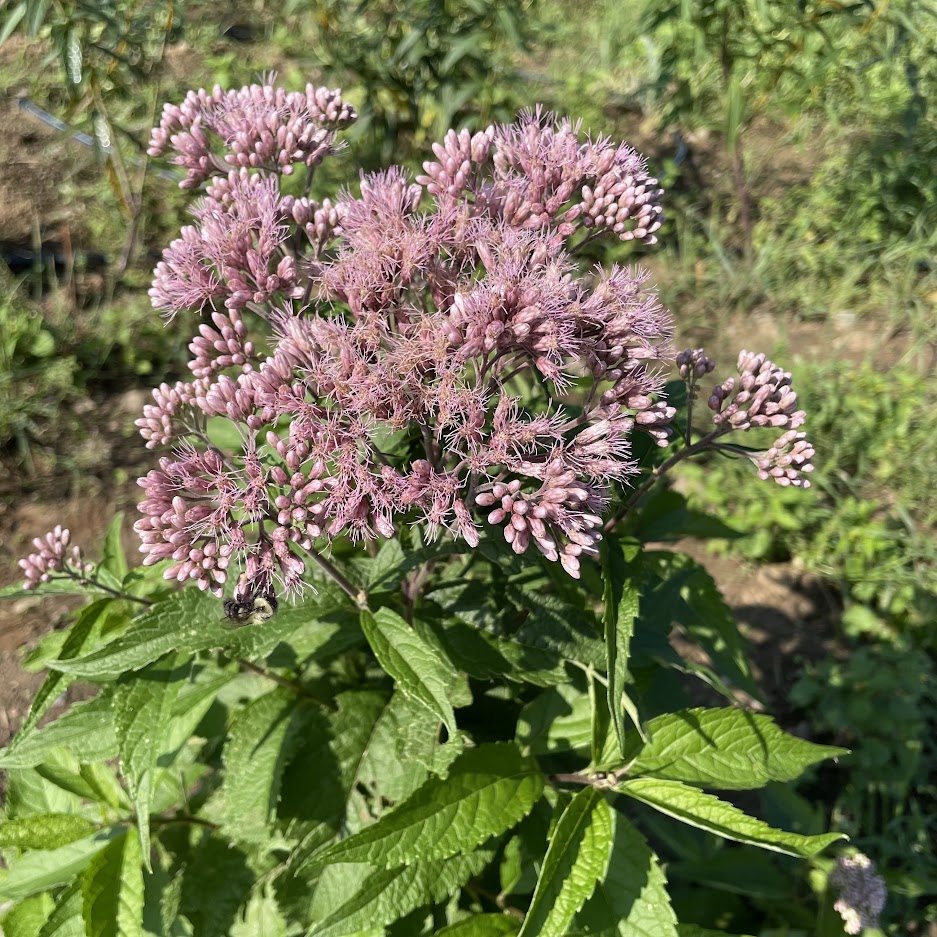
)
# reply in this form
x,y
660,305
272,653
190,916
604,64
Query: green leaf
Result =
x,y
44,831
488,790
389,894
708,812
576,860
260,918
402,749
488,657
631,900
86,730
481,925
78,637
38,871
416,666
112,890
621,609
557,720
724,748
679,590
143,706
262,738
558,627
114,561
66,920
28,917
189,620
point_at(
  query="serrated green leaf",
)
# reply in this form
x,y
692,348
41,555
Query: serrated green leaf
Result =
x,y
680,590
488,657
86,730
621,610
112,890
557,720
28,793
262,738
66,920
260,918
143,706
707,812
416,666
38,871
186,621
44,831
217,869
631,900
577,857
27,917
481,925
389,894
402,749
329,637
488,790
558,627
78,638
724,748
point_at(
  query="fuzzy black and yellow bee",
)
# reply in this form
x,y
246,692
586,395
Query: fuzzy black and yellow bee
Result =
x,y
250,606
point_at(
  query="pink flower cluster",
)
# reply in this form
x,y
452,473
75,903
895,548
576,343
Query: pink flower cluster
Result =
x,y
434,353
763,397
260,127
53,556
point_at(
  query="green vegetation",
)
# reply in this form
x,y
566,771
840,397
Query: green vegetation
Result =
x,y
797,144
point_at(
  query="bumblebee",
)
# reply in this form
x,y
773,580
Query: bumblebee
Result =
x,y
250,607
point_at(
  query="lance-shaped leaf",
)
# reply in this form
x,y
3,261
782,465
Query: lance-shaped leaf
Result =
x,y
79,638
187,621
389,894
488,790
112,890
621,610
143,707
707,812
65,919
724,748
44,831
27,917
263,736
86,730
417,667
631,900
580,846
38,871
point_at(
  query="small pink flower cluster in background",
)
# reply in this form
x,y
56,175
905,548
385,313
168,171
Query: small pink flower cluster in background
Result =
x,y
761,396
53,556
428,351
861,890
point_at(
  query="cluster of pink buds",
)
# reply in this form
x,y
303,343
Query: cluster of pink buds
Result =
x,y
260,127
53,556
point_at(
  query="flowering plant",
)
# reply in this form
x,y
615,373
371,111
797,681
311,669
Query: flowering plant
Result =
x,y
413,423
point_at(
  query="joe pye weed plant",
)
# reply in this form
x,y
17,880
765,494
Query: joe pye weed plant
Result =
x,y
418,453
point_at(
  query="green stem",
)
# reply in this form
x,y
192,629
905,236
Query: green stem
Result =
x,y
358,596
658,474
